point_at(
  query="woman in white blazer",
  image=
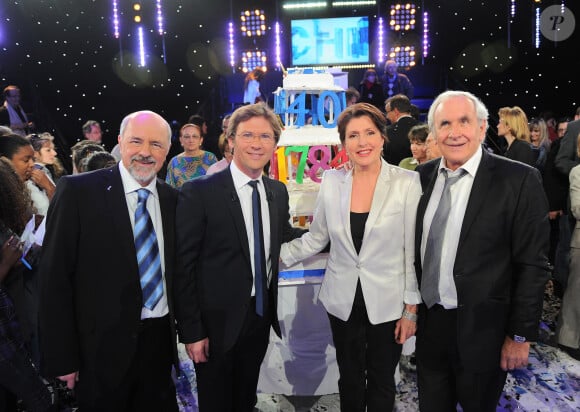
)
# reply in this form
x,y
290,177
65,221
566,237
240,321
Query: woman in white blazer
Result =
x,y
370,288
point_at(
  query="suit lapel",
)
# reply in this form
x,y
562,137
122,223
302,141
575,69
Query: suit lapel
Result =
x,y
346,193
428,178
167,207
232,200
477,197
116,204
382,189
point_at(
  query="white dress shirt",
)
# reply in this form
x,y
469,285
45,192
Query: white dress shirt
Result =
x,y
244,191
460,192
131,186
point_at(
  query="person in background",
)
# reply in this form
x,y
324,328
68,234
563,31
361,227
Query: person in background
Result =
x,y
19,376
41,185
227,257
481,271
568,329
193,161
432,150
79,153
417,136
12,114
252,81
100,160
562,126
106,278
5,130
223,136
398,110
370,296
92,131
228,154
371,89
396,83
540,140
352,96
513,126
567,156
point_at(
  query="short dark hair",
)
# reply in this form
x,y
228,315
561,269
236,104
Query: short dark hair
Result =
x,y
358,110
399,102
100,160
352,92
418,133
11,143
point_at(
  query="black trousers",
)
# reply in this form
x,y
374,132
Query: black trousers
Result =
x,y
228,381
367,356
148,385
443,381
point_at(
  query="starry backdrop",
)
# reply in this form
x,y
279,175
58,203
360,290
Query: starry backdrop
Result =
x,y
70,67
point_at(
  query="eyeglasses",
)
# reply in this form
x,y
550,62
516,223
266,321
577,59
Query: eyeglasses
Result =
x,y
248,137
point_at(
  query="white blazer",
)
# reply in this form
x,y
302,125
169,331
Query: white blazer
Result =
x,y
385,263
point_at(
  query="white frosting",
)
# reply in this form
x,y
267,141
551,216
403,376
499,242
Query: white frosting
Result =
x,y
302,197
308,136
309,82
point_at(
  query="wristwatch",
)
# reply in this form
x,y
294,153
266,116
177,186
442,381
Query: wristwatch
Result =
x,y
519,339
410,315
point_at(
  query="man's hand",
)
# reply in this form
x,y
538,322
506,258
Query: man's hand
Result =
x,y
514,355
71,379
198,351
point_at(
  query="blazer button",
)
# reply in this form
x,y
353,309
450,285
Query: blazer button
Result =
x,y
358,265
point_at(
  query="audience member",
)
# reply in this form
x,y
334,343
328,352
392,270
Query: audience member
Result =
x,y
568,330
371,89
540,140
12,114
223,315
567,156
107,281
92,131
482,271
562,126
223,136
513,126
100,160
193,161
227,150
80,151
432,150
19,377
41,185
4,130
352,96
417,137
372,305
396,83
398,112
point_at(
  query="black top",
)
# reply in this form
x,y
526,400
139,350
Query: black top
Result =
x,y
357,228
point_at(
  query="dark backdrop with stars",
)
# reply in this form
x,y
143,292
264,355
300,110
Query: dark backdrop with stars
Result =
x,y
70,67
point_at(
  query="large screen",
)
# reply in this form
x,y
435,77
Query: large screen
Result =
x,y
335,41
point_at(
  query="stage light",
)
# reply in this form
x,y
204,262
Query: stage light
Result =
x,y
402,17
232,49
141,46
160,19
136,7
137,19
354,3
537,29
425,34
403,55
278,51
116,26
253,23
513,8
381,34
305,5
252,59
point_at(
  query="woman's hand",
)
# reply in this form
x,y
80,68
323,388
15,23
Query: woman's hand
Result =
x,y
42,181
405,327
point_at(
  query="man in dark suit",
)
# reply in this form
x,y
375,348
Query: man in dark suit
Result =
x,y
12,114
483,270
222,316
106,278
398,110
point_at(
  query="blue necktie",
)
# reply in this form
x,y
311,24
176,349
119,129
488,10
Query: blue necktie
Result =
x,y
434,245
147,253
259,259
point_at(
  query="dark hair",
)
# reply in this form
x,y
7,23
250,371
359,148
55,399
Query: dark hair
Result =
x,y
81,150
399,102
245,113
359,110
197,120
352,92
11,143
100,160
368,73
418,133
15,203
88,126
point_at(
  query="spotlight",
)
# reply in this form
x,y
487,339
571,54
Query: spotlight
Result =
x,y
402,17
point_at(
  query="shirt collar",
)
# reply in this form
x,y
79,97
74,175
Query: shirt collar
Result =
x,y
130,185
470,166
239,177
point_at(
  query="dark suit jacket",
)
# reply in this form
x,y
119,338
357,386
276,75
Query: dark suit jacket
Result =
x,y
91,299
399,146
4,116
567,156
214,266
501,265
522,151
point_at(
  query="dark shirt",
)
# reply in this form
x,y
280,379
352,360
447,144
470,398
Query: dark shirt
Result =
x,y
357,228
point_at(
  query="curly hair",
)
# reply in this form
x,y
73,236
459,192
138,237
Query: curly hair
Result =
x,y
15,202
